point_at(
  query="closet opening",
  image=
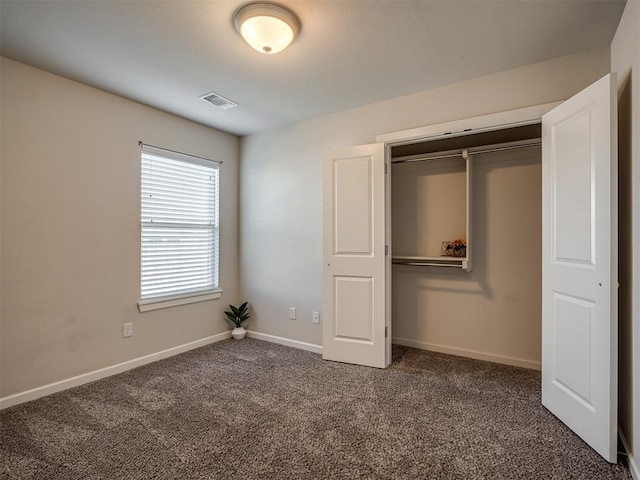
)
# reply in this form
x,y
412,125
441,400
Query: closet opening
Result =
x,y
466,244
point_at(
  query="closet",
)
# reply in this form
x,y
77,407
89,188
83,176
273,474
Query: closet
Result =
x,y
484,190
388,207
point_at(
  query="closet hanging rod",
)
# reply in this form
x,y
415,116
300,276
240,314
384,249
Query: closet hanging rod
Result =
x,y
512,146
472,151
422,158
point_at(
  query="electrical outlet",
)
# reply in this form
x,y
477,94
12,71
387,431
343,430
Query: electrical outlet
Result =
x,y
316,317
127,330
292,313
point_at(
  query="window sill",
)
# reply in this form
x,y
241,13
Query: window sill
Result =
x,y
157,304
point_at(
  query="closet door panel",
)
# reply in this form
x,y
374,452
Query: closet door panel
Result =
x,y
579,265
573,186
352,207
355,264
353,313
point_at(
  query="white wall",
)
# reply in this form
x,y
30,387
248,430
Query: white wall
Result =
x,y
70,229
281,177
625,60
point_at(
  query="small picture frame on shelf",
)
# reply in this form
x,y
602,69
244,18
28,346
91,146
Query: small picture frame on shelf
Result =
x,y
456,248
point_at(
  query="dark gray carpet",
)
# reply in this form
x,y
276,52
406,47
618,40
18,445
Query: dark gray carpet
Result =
x,y
254,410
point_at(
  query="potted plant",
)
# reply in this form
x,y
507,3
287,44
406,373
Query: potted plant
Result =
x,y
237,316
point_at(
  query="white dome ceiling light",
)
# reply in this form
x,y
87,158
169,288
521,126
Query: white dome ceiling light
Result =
x,y
267,27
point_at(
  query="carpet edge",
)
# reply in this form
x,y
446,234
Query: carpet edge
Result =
x,y
38,392
462,352
309,347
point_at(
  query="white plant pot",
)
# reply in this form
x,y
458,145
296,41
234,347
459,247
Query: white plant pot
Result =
x,y
238,333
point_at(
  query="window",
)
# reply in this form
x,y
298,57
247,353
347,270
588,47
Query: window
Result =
x,y
179,229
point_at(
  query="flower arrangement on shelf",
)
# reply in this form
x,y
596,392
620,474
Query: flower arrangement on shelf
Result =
x,y
457,248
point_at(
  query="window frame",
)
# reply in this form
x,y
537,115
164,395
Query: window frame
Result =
x,y
169,300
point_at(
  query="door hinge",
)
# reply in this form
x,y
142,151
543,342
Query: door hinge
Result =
x,y
385,168
386,332
386,250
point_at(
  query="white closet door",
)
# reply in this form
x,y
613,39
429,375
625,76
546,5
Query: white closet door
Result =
x,y
579,271
354,275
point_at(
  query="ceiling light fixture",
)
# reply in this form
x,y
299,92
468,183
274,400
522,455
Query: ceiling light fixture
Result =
x,y
267,27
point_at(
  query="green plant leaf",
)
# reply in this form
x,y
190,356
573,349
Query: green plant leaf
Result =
x,y
238,315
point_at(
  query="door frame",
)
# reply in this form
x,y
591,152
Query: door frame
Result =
x,y
457,128
467,126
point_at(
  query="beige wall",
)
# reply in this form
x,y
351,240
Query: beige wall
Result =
x,y
70,229
281,200
625,60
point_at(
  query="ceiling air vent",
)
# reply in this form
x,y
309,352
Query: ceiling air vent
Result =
x,y
218,101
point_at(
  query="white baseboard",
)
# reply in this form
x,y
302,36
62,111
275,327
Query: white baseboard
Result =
x,y
463,352
634,467
516,362
38,392
285,341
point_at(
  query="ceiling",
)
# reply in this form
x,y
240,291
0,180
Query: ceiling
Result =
x,y
348,53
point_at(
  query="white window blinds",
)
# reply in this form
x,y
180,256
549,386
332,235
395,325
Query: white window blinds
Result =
x,y
179,224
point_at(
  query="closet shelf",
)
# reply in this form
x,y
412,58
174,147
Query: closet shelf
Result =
x,y
456,262
460,153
